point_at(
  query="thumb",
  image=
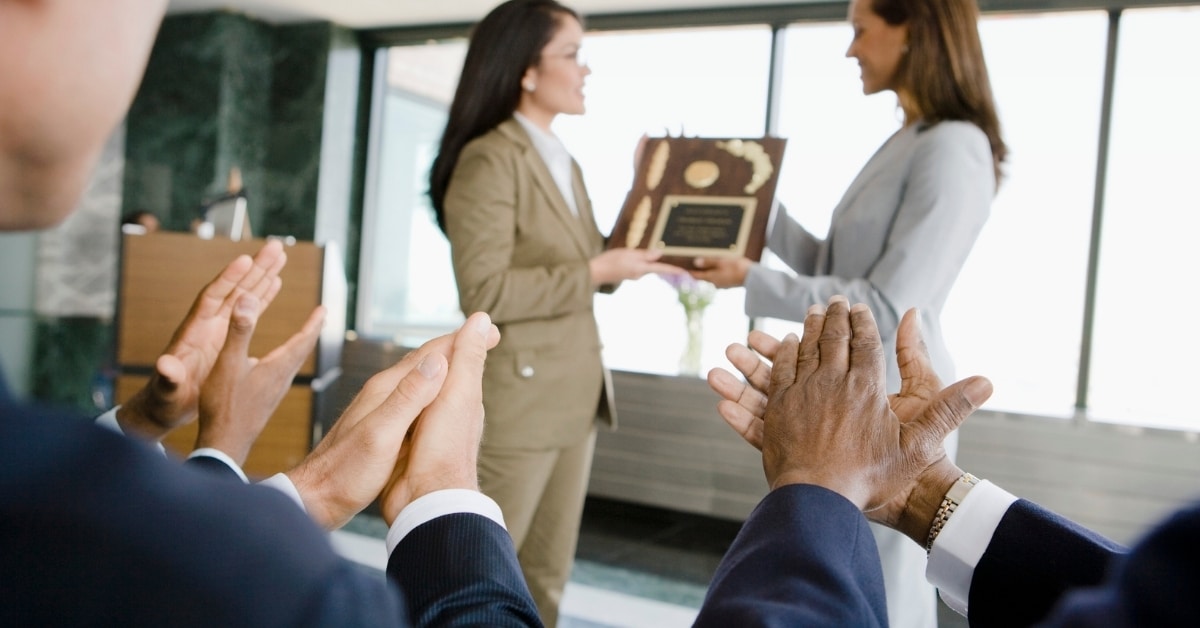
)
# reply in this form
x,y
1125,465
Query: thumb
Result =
x,y
170,371
916,369
952,406
241,329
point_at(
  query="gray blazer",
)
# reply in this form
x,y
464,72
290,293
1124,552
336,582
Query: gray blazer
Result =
x,y
897,239
521,255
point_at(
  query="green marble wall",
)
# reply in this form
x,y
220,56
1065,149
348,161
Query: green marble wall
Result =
x,y
224,90
296,107
74,363
221,90
201,109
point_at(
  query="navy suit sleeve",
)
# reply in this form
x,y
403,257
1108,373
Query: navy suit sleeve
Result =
x,y
1034,557
1041,568
462,570
804,557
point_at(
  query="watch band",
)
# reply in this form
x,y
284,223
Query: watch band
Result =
x,y
958,491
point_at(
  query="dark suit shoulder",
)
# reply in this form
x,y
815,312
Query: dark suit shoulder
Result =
x,y
1155,585
100,526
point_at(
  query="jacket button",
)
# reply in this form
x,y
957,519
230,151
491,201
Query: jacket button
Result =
x,y
527,371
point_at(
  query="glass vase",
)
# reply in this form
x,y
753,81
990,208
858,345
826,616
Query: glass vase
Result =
x,y
689,361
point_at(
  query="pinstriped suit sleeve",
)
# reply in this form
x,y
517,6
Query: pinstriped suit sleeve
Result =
x,y
462,570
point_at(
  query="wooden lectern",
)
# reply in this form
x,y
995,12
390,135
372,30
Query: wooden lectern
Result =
x,y
161,274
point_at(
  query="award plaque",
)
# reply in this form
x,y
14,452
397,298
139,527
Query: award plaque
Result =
x,y
701,197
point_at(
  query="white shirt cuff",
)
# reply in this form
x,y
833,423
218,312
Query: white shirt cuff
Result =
x,y
440,503
109,420
282,483
961,543
209,452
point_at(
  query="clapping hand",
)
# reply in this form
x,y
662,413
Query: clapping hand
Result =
x,y
171,397
374,443
818,413
241,393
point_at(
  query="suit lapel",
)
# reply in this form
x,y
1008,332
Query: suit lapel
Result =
x,y
879,162
545,184
587,219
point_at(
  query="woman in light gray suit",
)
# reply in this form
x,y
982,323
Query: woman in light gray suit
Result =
x,y
527,251
906,225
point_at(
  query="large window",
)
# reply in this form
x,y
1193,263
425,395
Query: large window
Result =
x,y
1021,303
1016,311
1034,247
408,290
1148,252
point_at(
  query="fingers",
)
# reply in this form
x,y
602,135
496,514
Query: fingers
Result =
x,y
866,348
416,390
834,341
733,389
456,416
263,279
809,354
742,407
464,383
381,384
445,444
765,344
226,281
747,425
756,372
783,372
661,268
351,466
650,255
258,276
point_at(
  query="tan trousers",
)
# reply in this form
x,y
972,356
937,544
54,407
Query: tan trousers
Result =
x,y
541,494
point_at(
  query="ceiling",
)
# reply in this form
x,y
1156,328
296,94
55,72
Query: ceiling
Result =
x,y
384,13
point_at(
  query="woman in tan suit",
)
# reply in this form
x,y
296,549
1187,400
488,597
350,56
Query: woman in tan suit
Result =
x,y
527,251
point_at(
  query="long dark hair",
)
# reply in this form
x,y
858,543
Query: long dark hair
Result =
x,y
503,45
944,73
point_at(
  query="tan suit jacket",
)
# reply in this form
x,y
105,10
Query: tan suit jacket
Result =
x,y
521,255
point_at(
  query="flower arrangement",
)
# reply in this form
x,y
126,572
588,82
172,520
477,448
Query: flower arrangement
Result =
x,y
694,295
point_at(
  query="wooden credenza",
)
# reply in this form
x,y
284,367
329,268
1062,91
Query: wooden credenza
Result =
x,y
160,276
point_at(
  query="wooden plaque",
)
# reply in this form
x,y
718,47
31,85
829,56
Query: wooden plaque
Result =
x,y
701,197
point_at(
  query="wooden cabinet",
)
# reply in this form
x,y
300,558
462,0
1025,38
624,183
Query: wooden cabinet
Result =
x,y
160,276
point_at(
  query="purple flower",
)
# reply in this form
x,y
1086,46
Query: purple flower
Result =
x,y
694,294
